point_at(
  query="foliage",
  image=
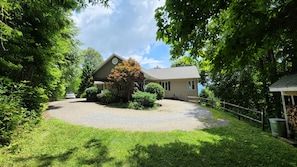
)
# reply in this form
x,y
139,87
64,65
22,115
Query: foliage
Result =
x,y
155,88
207,93
91,93
86,79
11,118
252,39
125,76
57,143
184,61
38,57
135,105
107,97
144,99
92,59
72,71
18,105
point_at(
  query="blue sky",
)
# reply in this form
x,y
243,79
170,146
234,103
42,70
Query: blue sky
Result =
x,y
126,28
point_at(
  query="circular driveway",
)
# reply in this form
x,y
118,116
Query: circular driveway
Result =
x,y
171,115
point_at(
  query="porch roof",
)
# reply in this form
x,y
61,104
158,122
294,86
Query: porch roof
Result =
x,y
172,73
285,84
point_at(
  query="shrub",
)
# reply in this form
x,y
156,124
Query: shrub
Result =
x,y
144,99
20,106
157,89
207,93
107,97
34,100
83,95
135,105
91,93
11,117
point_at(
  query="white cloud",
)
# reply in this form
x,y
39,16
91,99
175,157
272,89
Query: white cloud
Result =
x,y
145,61
126,28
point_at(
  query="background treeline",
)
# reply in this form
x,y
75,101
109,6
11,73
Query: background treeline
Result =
x,y
39,59
242,46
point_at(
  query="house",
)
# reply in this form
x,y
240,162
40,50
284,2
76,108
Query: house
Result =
x,y
178,82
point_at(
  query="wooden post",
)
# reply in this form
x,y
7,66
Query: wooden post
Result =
x,y
238,113
286,116
224,106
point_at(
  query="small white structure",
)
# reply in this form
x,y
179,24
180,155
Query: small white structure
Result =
x,y
287,85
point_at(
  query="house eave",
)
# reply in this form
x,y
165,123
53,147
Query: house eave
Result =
x,y
282,89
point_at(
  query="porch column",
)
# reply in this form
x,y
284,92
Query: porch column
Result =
x,y
286,116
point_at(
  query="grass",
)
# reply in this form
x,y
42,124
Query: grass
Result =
x,y
56,143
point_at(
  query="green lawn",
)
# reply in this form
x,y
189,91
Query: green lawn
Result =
x,y
55,143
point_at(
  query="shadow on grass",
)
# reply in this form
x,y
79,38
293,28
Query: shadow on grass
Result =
x,y
231,150
96,154
172,154
47,159
99,154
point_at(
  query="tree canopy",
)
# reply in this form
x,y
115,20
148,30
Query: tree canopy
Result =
x,y
91,56
125,76
38,57
244,45
229,34
92,59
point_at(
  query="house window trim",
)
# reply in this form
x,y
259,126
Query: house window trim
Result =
x,y
166,85
191,85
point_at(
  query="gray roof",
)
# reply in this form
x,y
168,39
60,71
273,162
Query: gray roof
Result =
x,y
286,83
172,73
186,72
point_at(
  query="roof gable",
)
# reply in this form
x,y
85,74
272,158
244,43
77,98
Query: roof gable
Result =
x,y
285,83
107,61
185,72
105,68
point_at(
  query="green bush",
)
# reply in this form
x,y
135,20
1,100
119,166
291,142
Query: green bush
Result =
x,y
83,95
135,105
107,97
91,93
207,93
157,89
34,100
20,106
144,99
11,117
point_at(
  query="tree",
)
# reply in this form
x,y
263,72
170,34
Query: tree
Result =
x,y
184,61
92,59
86,79
72,71
36,47
235,37
125,77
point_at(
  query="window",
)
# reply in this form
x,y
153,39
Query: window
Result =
x,y
191,85
165,85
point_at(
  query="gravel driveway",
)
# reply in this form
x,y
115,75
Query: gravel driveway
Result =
x,y
171,115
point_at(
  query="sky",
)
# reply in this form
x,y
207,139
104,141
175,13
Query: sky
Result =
x,y
126,28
